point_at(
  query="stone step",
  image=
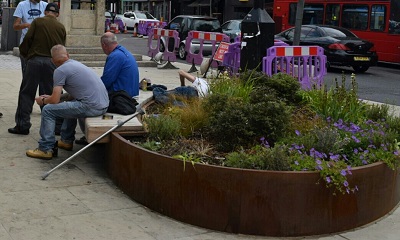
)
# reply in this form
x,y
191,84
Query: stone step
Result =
x,y
97,57
85,50
101,63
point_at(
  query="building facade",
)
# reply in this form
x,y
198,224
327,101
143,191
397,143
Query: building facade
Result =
x,y
167,9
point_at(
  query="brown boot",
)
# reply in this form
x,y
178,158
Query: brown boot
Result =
x,y
37,153
65,146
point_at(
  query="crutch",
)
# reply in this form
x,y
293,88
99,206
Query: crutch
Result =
x,y
119,124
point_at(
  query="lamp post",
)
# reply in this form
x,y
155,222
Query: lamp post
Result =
x,y
210,8
164,10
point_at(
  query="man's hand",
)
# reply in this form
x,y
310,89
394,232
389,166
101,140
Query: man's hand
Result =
x,y
39,99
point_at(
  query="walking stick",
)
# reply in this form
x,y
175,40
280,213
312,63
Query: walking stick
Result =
x,y
119,124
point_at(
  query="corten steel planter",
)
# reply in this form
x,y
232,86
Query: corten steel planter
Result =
x,y
271,203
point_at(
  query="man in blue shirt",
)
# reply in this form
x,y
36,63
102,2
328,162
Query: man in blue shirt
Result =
x,y
121,71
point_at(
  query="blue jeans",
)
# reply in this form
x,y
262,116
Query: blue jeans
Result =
x,y
69,111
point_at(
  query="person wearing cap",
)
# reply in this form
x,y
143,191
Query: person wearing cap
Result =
x,y
24,14
43,34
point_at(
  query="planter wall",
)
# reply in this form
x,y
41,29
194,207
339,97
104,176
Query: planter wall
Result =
x,y
270,203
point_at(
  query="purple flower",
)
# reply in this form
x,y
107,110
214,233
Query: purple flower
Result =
x,y
318,162
296,162
328,179
345,183
349,170
396,153
355,139
297,132
364,162
343,172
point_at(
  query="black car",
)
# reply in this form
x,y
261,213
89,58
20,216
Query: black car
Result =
x,y
183,24
232,28
341,47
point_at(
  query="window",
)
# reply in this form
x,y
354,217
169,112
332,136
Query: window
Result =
x,y
378,16
332,14
355,17
313,14
394,21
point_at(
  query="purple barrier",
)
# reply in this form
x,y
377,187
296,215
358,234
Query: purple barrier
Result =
x,y
210,39
142,27
156,34
307,63
120,24
280,43
149,26
107,24
145,26
232,58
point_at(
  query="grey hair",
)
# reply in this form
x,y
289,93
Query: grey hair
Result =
x,y
59,51
108,39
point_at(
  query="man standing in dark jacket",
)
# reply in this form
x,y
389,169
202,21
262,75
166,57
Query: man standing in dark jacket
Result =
x,y
43,34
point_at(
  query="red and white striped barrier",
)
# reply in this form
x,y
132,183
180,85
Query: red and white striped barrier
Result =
x,y
307,63
296,51
207,41
156,34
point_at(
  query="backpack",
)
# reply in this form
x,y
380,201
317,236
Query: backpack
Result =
x,y
121,103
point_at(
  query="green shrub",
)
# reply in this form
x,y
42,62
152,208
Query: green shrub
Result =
x,y
261,158
229,127
162,127
337,102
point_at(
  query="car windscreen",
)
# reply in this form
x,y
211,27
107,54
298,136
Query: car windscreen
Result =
x,y
333,32
206,25
141,15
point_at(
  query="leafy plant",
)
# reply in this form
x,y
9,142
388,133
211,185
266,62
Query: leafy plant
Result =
x,y
185,157
336,102
162,127
258,122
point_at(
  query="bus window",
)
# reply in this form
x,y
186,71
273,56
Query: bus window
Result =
x,y
313,14
332,14
355,16
378,16
292,13
394,21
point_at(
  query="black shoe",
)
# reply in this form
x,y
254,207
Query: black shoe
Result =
x,y
16,130
81,141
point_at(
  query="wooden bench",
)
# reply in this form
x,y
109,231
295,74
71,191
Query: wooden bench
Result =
x,y
96,126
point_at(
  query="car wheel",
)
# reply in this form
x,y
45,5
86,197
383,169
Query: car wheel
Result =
x,y
181,52
360,69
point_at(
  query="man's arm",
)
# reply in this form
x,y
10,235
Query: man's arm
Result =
x,y
18,25
54,98
184,75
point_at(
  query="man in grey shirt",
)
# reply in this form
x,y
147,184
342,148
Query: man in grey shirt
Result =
x,y
88,97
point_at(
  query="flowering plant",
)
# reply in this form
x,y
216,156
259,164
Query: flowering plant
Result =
x,y
325,130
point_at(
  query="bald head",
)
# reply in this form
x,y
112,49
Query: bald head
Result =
x,y
59,54
108,42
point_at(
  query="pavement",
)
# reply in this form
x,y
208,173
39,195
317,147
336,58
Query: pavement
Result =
x,y
79,201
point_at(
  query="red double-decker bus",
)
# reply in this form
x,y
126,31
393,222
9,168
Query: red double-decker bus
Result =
x,y
375,20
